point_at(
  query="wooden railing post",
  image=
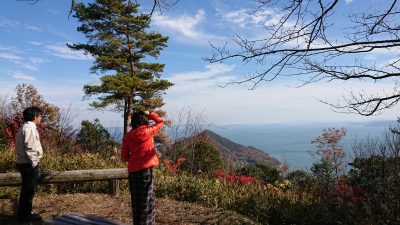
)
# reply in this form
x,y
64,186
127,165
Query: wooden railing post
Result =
x,y
114,188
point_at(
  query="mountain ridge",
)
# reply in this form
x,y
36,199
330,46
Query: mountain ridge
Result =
x,y
236,154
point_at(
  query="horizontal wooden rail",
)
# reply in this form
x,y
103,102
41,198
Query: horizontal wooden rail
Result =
x,y
49,177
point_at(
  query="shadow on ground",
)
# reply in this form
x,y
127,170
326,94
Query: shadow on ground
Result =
x,y
118,208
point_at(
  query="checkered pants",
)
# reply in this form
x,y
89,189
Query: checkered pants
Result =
x,y
141,186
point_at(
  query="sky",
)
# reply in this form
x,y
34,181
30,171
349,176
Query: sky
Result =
x,y
33,50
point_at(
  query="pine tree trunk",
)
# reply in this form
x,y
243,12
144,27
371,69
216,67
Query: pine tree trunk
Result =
x,y
126,116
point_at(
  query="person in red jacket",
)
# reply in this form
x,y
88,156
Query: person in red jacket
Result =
x,y
139,151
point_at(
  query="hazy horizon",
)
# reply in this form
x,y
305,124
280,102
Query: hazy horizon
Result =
x,y
291,143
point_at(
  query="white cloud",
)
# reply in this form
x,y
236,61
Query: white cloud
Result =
x,y
6,23
236,17
69,94
58,33
270,103
63,51
9,56
250,24
15,24
30,64
53,12
389,51
36,61
26,65
391,65
21,76
37,43
348,1
370,57
211,70
187,26
248,18
199,81
33,28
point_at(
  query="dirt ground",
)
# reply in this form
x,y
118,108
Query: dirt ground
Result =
x,y
118,208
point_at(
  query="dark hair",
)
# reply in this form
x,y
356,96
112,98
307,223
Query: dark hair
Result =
x,y
139,118
30,113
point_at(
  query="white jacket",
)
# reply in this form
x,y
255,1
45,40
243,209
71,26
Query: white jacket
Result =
x,y
27,144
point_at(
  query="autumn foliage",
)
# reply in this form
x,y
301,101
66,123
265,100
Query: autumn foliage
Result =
x,y
330,150
347,192
174,168
14,123
233,179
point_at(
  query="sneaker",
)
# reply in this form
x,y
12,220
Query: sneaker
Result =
x,y
30,218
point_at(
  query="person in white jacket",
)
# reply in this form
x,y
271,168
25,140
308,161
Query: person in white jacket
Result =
x,y
29,151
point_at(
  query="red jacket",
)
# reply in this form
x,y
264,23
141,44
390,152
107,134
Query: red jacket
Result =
x,y
138,145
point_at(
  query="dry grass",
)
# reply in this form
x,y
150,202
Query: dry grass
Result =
x,y
118,208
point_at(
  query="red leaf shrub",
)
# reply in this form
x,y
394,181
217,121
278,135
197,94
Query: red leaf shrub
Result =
x,y
13,124
347,192
174,168
233,179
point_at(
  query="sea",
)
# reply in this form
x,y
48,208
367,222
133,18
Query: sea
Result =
x,y
291,143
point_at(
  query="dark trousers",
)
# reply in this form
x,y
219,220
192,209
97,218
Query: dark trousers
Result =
x,y
29,176
141,186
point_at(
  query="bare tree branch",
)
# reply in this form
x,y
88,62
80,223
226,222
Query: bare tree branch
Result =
x,y
383,17
300,45
29,1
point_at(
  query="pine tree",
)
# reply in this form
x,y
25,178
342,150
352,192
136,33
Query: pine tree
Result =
x,y
118,37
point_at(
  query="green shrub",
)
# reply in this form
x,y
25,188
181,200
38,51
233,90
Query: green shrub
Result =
x,y
7,160
3,138
203,157
260,171
301,180
94,137
57,161
376,169
307,200
380,178
264,203
324,174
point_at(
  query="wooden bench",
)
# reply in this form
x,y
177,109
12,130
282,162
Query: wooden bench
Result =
x,y
77,218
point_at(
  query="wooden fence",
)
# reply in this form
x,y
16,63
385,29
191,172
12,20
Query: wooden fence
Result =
x,y
51,177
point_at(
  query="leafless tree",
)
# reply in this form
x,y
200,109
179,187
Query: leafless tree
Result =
x,y
185,127
187,123
5,106
62,134
301,45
